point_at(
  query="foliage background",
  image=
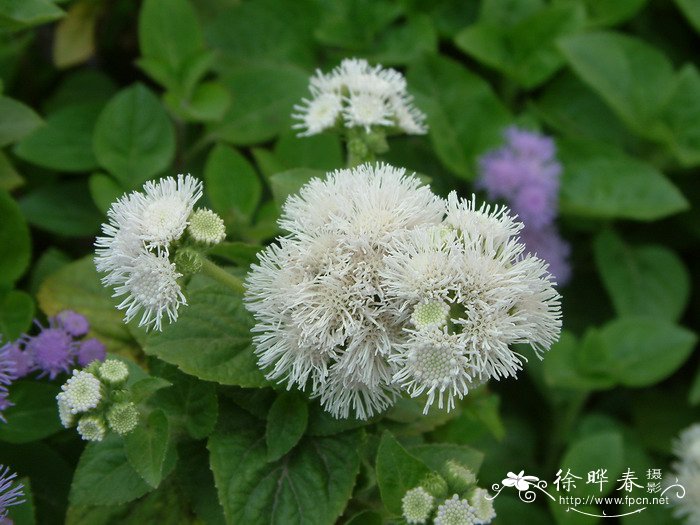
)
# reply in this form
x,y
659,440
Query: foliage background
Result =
x,y
99,96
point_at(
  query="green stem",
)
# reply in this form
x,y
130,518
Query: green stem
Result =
x,y
219,274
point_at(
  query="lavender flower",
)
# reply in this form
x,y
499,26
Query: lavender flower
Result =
x,y
90,350
22,361
4,404
9,495
525,173
73,323
52,349
7,374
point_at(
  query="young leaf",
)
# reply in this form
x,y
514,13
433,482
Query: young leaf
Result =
x,y
286,423
647,280
290,182
397,472
134,138
16,314
14,239
34,415
217,324
104,476
147,445
598,451
18,121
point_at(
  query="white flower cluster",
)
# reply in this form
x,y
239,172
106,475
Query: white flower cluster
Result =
x,y
135,248
359,95
382,286
687,474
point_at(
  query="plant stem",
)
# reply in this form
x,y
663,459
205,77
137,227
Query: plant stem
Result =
x,y
219,274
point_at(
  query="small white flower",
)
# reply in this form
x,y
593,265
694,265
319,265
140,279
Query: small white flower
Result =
x,y
123,418
430,313
82,392
91,428
416,505
687,446
485,512
206,227
366,96
113,371
64,411
151,290
683,483
456,511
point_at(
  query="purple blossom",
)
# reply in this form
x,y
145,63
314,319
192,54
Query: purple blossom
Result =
x,y
549,246
73,323
22,360
53,350
91,350
4,404
7,373
9,495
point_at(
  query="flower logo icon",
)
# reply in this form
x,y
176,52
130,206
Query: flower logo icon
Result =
x,y
519,481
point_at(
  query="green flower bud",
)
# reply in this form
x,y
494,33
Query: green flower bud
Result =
x,y
188,261
92,428
417,505
113,372
123,418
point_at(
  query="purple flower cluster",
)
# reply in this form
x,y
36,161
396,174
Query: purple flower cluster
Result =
x,y
9,495
54,350
525,173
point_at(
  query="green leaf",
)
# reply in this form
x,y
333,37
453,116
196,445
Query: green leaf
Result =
x,y
65,143
218,325
286,423
80,87
232,185
104,476
682,116
45,208
564,368
9,178
14,239
134,138
603,450
239,253
406,43
601,181
694,394
34,415
605,13
366,517
190,403
74,38
209,102
50,261
17,14
464,115
25,513
144,388
691,10
17,122
290,182
642,351
319,152
263,98
613,64
104,191
170,35
647,280
397,472
197,480
525,51
354,24
16,314
147,446
77,286
311,484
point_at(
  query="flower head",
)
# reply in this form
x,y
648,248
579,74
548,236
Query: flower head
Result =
x,y
134,250
456,511
82,392
90,350
73,323
123,418
361,96
206,227
65,413
417,505
52,350
683,484
10,494
483,506
460,477
91,428
113,371
21,361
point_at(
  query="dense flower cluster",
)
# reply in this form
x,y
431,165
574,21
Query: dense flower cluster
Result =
x,y
525,173
95,400
136,250
357,95
468,505
56,349
382,286
687,475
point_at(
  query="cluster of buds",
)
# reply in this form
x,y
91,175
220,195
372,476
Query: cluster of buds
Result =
x,y
96,400
467,505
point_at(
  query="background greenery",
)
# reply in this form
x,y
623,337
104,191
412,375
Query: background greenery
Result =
x,y
99,96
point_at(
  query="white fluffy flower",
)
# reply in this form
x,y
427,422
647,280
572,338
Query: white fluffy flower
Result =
x,y
317,296
64,411
92,428
134,250
416,505
381,286
686,473
456,511
687,446
82,392
484,511
363,95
